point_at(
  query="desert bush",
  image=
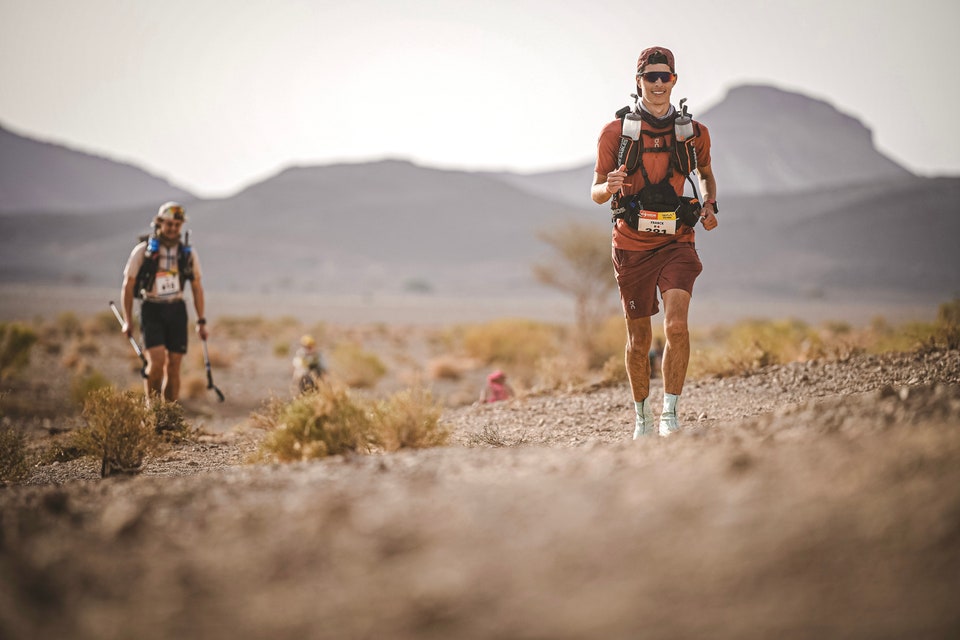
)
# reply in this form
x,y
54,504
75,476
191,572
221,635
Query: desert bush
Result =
x,y
170,420
83,385
511,342
103,323
491,436
614,370
120,430
948,324
16,340
450,368
410,419
751,344
168,416
68,324
254,326
13,458
281,348
560,372
356,367
325,422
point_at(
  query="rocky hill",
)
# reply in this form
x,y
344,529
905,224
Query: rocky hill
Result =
x,y
765,141
44,177
849,223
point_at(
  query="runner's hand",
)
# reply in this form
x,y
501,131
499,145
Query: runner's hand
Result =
x,y
615,179
127,330
709,218
202,331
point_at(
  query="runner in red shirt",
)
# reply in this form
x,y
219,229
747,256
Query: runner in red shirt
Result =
x,y
655,248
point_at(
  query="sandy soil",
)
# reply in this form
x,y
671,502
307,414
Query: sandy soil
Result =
x,y
811,500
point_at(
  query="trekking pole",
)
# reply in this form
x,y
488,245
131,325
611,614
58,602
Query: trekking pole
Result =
x,y
206,363
133,342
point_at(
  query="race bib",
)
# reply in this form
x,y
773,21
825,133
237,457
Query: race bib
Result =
x,y
661,222
167,284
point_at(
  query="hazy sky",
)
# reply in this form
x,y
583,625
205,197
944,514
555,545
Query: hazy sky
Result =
x,y
214,95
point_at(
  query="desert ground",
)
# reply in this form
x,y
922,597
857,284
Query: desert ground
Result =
x,y
816,499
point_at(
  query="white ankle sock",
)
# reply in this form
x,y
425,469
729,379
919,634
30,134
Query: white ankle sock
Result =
x,y
670,404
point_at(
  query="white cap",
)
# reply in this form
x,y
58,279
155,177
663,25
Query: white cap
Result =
x,y
172,211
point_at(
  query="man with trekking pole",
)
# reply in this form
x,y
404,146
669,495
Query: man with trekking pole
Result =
x,y
157,272
645,158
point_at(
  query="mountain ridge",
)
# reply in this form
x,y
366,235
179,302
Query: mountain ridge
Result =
x,y
40,176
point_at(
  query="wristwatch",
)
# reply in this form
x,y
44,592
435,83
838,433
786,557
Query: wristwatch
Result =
x,y
716,209
202,321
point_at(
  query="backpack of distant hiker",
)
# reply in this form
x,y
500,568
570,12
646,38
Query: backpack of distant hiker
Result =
x,y
147,275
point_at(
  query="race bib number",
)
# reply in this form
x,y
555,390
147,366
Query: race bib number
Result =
x,y
167,284
660,222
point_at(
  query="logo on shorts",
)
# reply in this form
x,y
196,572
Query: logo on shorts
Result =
x,y
633,306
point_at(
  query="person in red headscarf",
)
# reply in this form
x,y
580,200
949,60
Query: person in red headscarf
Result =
x,y
497,388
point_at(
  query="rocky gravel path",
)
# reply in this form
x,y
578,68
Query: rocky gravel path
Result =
x,y
809,500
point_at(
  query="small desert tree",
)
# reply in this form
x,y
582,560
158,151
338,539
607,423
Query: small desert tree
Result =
x,y
580,267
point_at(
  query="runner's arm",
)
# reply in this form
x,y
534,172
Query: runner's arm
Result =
x,y
708,187
196,287
126,303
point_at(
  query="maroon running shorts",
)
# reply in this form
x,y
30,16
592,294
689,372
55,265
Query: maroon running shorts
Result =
x,y
641,273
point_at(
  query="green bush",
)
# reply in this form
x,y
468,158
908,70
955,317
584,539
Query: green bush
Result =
x,y
13,459
16,340
120,430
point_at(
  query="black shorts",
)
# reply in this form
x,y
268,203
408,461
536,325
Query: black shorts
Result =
x,y
164,324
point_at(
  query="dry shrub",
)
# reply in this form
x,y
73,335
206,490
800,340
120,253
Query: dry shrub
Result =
x,y
948,324
410,419
103,323
16,340
564,371
449,367
614,370
83,385
281,348
87,346
610,340
13,458
491,436
120,430
254,326
332,421
511,342
68,324
356,367
170,420
325,422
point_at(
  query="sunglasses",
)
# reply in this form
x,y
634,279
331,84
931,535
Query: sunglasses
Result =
x,y
662,76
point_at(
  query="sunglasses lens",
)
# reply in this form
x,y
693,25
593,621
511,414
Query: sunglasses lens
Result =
x,y
662,76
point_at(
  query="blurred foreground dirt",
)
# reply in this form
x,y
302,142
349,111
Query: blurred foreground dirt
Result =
x,y
815,500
